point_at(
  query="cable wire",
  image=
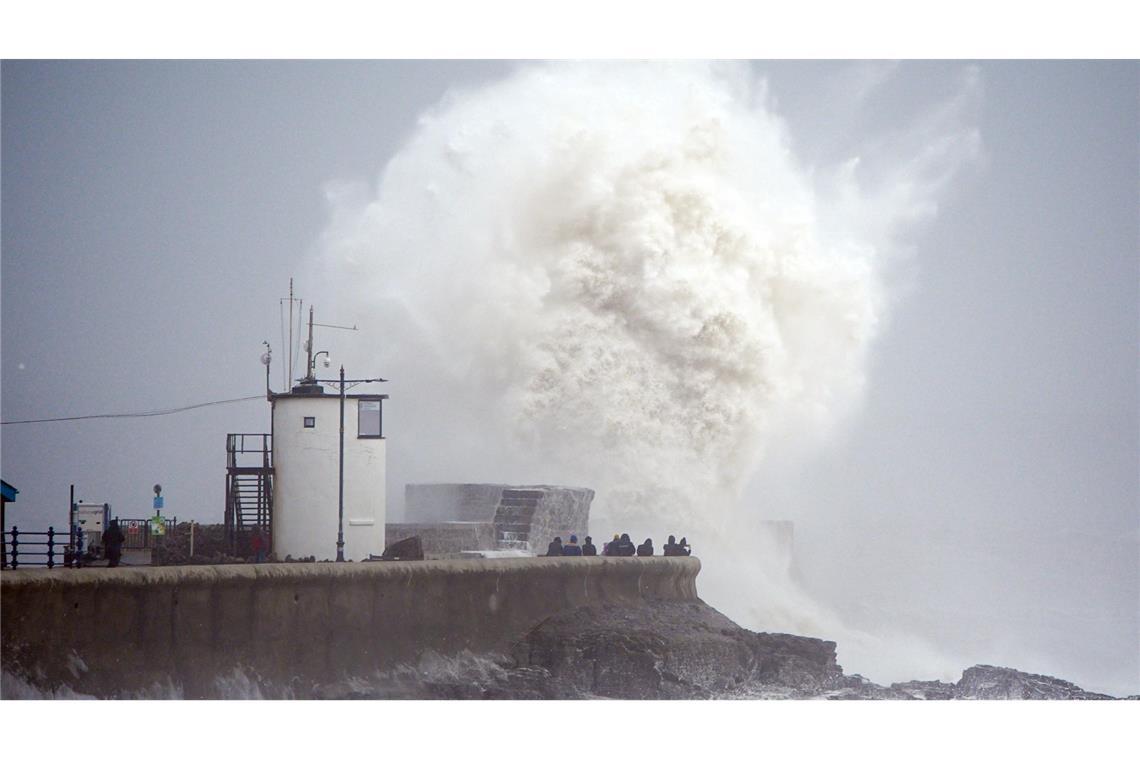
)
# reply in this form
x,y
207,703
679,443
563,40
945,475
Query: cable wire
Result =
x,y
152,413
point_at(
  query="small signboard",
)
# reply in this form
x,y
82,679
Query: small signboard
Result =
x,y
158,502
157,526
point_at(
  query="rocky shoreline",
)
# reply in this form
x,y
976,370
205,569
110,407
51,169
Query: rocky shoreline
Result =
x,y
673,650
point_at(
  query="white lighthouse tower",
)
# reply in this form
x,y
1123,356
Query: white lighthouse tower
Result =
x,y
319,487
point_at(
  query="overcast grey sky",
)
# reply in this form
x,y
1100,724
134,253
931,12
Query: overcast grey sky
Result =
x,y
154,212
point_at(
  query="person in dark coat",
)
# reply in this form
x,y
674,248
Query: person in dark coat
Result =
x,y
588,548
646,549
671,548
113,540
625,546
610,549
555,547
683,547
572,549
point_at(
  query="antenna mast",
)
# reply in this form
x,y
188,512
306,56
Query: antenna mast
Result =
x,y
289,366
287,369
309,350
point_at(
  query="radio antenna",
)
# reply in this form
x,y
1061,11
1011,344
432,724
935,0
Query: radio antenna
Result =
x,y
287,370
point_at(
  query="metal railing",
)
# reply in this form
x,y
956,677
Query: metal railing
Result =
x,y
137,531
47,545
249,450
51,549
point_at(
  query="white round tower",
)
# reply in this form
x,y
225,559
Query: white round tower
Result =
x,y
307,477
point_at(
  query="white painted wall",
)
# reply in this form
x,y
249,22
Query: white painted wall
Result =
x,y
305,480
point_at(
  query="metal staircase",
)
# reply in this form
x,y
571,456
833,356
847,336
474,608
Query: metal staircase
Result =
x,y
249,489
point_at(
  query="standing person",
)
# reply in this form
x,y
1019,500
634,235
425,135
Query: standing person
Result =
x,y
588,548
646,549
555,547
113,540
572,549
257,544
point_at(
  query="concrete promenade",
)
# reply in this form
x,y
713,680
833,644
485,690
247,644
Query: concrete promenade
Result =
x,y
111,631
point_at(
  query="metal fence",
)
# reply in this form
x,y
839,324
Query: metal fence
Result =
x,y
37,548
51,548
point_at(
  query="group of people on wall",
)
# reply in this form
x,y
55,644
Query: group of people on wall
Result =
x,y
621,546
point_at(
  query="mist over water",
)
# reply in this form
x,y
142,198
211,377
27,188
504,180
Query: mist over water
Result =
x,y
620,276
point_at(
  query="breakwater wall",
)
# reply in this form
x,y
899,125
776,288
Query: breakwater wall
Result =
x,y
110,632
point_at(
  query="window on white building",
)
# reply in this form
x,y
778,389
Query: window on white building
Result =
x,y
368,419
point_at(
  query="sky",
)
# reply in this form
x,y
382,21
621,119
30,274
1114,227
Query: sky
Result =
x,y
983,494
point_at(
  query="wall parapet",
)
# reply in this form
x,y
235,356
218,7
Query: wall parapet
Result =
x,y
106,631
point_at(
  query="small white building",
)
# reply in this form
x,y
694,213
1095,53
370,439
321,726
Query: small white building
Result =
x,y
306,474
284,488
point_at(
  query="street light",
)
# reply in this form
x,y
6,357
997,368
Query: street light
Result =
x,y
340,477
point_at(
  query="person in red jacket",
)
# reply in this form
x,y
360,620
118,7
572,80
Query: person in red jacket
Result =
x,y
257,544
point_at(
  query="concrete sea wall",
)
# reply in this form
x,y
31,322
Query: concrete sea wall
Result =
x,y
113,631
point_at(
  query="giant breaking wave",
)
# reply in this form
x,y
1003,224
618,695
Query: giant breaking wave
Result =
x,y
620,276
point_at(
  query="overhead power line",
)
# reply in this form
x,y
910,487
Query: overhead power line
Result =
x,y
152,413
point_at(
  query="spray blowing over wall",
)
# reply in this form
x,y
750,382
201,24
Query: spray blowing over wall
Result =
x,y
620,276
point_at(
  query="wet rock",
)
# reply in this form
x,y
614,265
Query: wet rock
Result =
x,y
931,690
673,650
989,682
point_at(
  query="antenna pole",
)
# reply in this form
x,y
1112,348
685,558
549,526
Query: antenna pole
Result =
x,y
289,366
309,348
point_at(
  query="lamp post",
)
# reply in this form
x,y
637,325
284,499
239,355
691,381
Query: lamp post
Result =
x,y
340,479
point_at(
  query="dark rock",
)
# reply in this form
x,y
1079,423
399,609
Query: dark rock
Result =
x,y
673,650
410,548
930,690
989,682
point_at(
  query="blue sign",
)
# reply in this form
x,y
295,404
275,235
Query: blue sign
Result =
x,y
158,502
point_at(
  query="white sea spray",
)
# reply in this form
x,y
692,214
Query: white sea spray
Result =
x,y
619,275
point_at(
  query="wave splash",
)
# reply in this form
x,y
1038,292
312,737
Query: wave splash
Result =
x,y
619,275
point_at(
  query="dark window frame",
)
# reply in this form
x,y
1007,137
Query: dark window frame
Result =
x,y
310,423
379,411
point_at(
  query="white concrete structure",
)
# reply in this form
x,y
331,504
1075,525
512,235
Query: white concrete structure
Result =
x,y
306,435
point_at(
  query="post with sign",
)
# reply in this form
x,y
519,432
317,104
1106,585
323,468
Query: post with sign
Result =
x,y
157,524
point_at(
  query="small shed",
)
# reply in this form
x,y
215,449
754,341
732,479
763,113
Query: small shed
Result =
x,y
7,493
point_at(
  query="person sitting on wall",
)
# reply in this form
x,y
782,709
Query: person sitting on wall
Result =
x,y
625,546
555,547
113,540
646,549
683,548
588,548
610,549
671,548
572,549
